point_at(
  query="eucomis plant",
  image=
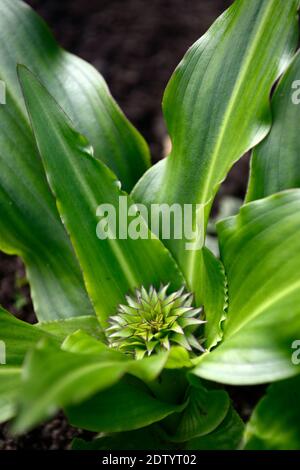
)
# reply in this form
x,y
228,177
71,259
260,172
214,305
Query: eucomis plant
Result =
x,y
137,339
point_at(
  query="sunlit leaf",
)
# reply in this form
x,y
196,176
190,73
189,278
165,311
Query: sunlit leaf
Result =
x,y
54,378
217,107
260,249
114,266
29,223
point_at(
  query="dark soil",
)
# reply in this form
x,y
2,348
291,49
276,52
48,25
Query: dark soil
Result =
x,y
136,45
57,434
14,289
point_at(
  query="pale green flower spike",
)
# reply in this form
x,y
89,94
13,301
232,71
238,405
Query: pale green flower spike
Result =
x,y
153,321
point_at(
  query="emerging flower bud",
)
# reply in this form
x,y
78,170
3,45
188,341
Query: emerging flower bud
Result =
x,y
153,321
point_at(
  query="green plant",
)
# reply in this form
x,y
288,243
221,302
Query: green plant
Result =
x,y
131,376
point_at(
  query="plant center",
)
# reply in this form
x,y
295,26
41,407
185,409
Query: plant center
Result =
x,y
152,321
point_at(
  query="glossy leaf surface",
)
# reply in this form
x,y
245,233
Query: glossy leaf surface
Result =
x,y
260,249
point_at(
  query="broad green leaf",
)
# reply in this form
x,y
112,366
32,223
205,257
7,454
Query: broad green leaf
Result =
x,y
53,378
19,337
82,343
29,223
125,406
75,84
63,328
275,162
10,379
205,411
274,424
228,436
260,249
217,107
146,369
111,267
30,228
